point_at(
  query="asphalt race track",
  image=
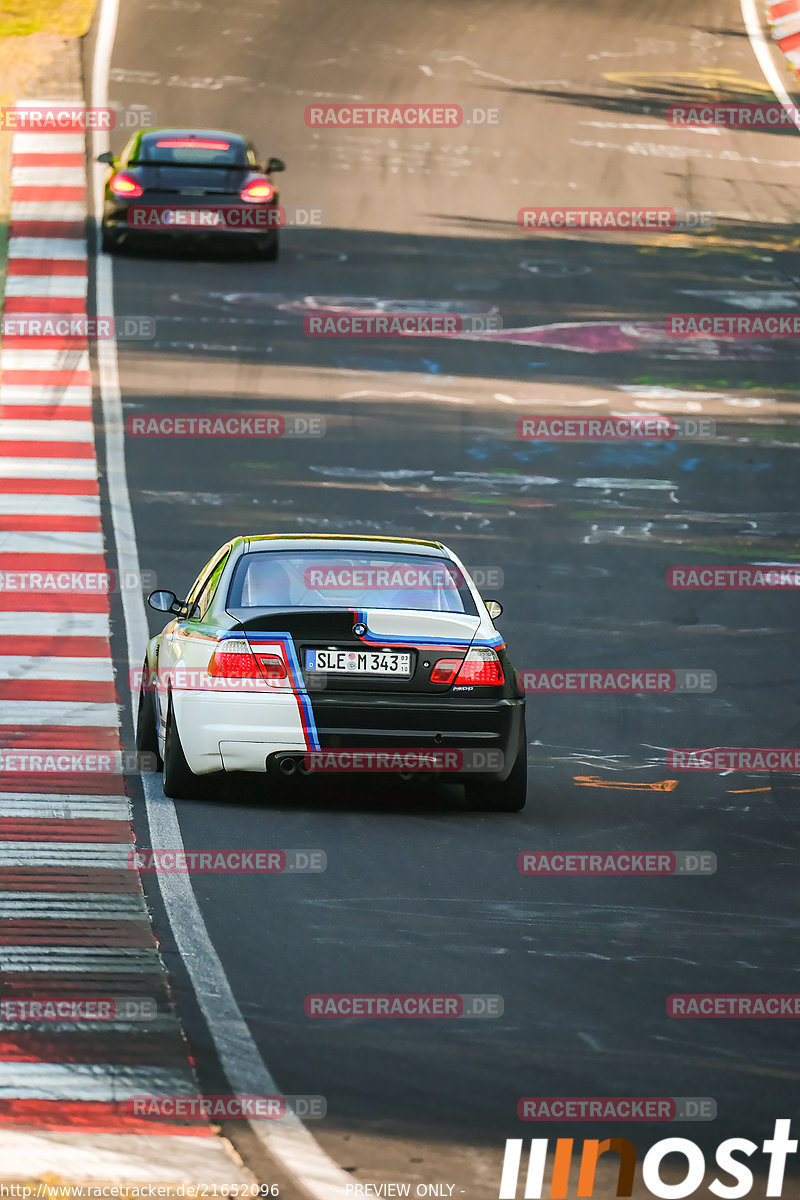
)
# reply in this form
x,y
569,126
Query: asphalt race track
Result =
x,y
421,895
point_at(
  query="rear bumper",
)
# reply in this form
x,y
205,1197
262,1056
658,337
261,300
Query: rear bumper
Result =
x,y
115,219
239,733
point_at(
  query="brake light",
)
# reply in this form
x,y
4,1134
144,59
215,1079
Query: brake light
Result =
x,y
258,191
191,144
272,667
481,666
123,185
446,670
233,659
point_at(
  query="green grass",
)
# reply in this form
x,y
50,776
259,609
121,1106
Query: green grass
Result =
x,y
70,18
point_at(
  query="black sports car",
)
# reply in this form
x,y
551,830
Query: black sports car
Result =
x,y
192,184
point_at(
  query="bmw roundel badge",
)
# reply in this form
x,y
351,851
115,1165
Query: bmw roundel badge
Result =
x,y
359,629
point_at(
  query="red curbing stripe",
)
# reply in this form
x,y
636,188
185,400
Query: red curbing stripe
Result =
x,y
45,158
47,193
22,601
49,229
57,829
38,646
77,783
93,1117
110,881
49,487
124,1049
58,737
131,935
789,43
47,523
61,377
45,304
46,266
48,412
44,564
45,341
27,449
783,9
70,690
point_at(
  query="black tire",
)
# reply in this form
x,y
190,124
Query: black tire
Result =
x,y
269,253
509,795
146,729
180,783
108,240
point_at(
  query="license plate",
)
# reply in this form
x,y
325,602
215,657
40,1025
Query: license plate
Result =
x,y
191,218
359,662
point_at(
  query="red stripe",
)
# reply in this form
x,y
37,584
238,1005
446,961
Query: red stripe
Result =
x,y
75,690
132,935
98,1047
789,43
47,412
46,266
62,783
88,602
49,487
55,829
110,881
46,449
59,647
39,228
58,737
783,9
60,377
45,304
45,341
45,159
44,563
93,1117
46,192
51,523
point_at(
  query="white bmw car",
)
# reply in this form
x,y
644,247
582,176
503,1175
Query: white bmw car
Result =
x,y
334,653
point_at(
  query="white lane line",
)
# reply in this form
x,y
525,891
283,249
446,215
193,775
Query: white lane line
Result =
x,y
45,360
65,854
88,670
49,143
68,286
47,210
48,176
43,541
45,906
47,468
89,1081
66,249
29,504
50,394
317,1175
55,624
26,430
55,807
57,712
761,48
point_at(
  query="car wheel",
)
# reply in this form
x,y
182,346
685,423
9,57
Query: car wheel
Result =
x,y
108,240
146,727
508,795
180,783
269,252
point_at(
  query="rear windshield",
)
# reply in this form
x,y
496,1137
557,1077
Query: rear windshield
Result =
x,y
193,152
338,579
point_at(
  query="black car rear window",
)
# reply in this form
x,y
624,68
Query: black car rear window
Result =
x,y
192,152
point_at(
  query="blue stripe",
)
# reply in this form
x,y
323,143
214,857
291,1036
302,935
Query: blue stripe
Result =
x,y
298,684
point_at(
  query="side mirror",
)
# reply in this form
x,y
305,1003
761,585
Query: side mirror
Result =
x,y
106,157
166,602
494,608
275,164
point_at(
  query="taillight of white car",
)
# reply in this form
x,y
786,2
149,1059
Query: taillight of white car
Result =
x,y
481,666
234,658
